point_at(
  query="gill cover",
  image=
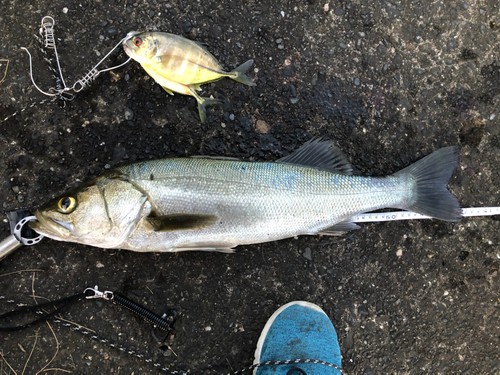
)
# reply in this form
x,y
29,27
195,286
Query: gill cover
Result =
x,y
103,214
142,47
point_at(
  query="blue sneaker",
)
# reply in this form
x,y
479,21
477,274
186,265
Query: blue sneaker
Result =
x,y
298,330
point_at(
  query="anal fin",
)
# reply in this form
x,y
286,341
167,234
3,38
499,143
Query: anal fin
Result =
x,y
168,90
227,250
339,229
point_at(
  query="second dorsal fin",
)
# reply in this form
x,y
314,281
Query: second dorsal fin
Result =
x,y
320,154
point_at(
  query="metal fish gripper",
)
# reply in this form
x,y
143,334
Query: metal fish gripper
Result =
x,y
18,220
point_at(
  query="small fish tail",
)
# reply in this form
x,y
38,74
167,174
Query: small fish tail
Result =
x,y
431,175
202,103
239,75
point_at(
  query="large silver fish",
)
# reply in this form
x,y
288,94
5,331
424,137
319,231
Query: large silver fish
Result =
x,y
210,204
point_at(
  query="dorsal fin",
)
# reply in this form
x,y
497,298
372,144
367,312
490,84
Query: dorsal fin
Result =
x,y
320,154
203,45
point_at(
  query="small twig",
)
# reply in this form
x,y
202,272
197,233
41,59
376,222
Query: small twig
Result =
x,y
7,67
58,369
8,364
33,288
41,297
72,360
55,354
32,350
36,333
172,350
227,360
12,273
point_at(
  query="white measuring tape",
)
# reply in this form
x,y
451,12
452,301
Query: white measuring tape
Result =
x,y
409,215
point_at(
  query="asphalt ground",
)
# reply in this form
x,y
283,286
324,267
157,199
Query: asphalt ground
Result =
x,y
388,82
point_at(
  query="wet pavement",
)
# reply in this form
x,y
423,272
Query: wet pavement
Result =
x,y
388,82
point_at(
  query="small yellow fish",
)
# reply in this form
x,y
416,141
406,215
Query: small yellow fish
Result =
x,y
180,65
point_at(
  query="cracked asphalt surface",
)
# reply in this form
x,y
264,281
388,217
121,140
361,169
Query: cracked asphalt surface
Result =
x,y
388,82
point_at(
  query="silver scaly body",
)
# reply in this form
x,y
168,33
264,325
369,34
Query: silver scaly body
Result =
x,y
254,202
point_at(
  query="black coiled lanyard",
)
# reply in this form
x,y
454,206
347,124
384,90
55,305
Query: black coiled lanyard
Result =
x,y
164,322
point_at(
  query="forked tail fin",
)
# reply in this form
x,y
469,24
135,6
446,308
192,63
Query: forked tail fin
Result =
x,y
431,175
239,74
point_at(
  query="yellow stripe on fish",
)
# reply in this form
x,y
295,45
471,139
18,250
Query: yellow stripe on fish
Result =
x,y
180,65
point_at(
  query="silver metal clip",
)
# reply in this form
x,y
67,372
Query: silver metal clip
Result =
x,y
92,293
47,34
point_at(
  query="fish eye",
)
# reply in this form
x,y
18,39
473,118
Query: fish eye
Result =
x,y
66,205
137,42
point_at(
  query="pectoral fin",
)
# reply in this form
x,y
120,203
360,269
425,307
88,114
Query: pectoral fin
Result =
x,y
174,222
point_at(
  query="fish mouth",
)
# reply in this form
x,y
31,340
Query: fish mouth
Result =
x,y
126,42
127,49
50,227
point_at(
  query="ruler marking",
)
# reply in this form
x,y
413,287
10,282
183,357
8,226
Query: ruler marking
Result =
x,y
409,215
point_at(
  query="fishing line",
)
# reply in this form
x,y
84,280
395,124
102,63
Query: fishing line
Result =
x,y
43,101
61,91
